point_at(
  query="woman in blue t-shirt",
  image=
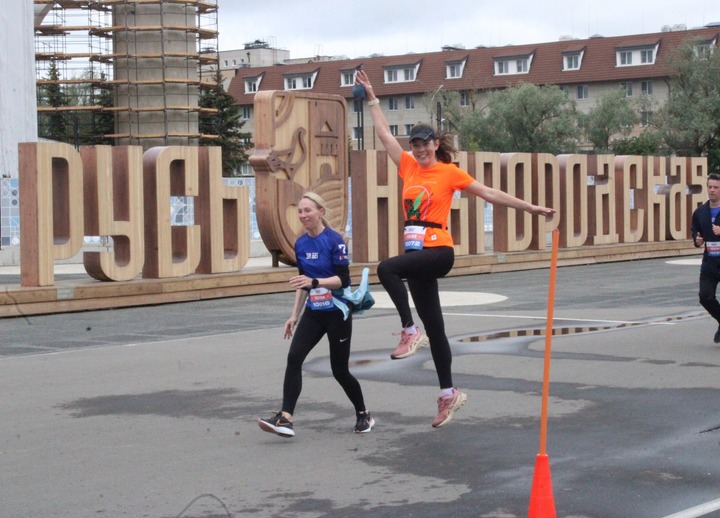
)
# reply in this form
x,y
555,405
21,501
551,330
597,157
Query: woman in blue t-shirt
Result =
x,y
323,265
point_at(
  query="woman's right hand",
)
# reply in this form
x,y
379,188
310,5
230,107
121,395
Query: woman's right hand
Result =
x,y
361,78
290,327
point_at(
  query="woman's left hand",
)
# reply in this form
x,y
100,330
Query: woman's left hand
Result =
x,y
300,282
537,210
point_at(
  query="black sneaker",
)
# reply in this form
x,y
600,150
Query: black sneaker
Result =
x,y
716,339
364,423
277,424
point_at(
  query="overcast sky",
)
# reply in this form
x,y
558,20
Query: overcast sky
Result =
x,y
390,27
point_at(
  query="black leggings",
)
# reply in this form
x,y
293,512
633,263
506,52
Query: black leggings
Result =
x,y
312,327
422,269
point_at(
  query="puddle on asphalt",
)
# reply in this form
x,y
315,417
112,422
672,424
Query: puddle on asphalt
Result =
x,y
578,328
516,341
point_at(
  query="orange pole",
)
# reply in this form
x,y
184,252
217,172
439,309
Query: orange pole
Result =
x,y
548,342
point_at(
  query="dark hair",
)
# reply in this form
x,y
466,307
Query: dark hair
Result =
x,y
714,176
446,150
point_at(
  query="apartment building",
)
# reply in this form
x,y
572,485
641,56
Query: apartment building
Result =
x,y
257,53
410,86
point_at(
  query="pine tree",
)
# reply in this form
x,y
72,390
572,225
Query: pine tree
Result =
x,y
103,121
225,122
53,125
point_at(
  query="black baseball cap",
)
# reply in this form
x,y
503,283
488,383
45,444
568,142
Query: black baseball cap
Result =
x,y
422,132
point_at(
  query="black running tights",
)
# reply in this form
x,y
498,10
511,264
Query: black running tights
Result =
x,y
312,327
422,269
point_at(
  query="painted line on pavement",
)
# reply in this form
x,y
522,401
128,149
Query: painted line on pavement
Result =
x,y
698,510
525,317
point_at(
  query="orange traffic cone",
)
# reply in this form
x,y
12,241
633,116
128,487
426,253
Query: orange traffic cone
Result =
x,y
542,503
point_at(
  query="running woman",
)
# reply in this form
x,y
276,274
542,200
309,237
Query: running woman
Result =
x,y
323,265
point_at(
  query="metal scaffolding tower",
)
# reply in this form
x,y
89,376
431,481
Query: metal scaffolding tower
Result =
x,y
124,71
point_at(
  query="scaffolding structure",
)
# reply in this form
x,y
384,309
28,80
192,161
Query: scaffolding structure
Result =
x,y
133,69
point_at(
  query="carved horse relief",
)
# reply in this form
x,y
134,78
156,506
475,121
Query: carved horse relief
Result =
x,y
300,146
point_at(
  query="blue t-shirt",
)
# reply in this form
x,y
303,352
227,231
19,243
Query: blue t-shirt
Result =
x,y
713,214
317,257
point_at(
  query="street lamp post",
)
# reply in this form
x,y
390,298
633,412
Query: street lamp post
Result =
x,y
439,107
432,102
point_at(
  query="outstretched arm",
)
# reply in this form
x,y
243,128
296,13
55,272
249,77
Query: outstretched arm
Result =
x,y
382,128
498,197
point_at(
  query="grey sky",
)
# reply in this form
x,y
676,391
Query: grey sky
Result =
x,y
390,27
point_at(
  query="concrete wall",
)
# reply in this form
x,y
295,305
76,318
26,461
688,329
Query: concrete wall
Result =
x,y
18,110
170,45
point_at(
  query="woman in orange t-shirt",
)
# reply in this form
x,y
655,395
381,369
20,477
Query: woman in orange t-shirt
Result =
x,y
429,182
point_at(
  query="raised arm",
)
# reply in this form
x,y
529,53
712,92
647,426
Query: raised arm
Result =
x,y
498,197
382,128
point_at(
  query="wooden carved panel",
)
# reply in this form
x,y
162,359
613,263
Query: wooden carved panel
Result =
x,y
300,146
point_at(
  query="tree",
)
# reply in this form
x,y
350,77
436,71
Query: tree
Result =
x,y
649,142
224,121
690,119
524,118
103,122
53,125
612,114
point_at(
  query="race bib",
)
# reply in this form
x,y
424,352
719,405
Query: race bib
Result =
x,y
414,237
713,248
321,299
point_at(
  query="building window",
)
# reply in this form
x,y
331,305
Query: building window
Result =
x,y
646,87
454,70
522,66
400,74
347,78
582,92
226,62
572,62
245,113
394,130
628,89
409,102
298,83
647,56
625,57
646,118
704,50
566,90
408,129
251,86
357,133
392,103
464,98
503,67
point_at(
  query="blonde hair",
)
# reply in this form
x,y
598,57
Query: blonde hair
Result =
x,y
320,204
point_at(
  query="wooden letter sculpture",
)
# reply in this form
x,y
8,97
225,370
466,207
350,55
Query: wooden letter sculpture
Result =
x,y
51,176
300,146
114,207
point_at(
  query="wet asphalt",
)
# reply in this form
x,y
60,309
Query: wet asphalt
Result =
x,y
151,411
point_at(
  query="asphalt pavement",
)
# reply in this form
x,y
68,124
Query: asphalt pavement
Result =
x,y
151,411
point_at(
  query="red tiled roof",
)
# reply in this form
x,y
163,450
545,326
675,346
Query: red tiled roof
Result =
x,y
598,65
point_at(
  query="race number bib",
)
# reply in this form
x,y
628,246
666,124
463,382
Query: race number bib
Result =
x,y
321,299
713,248
414,237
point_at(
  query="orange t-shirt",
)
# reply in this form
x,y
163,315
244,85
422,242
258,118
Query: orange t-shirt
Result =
x,y
428,193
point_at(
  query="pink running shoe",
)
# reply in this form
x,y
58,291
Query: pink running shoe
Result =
x,y
447,406
409,344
